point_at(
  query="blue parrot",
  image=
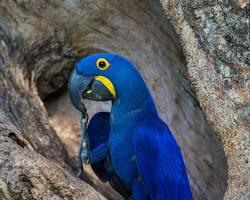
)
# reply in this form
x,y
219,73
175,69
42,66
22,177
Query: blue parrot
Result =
x,y
131,147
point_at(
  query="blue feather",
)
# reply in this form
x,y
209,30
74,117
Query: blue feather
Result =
x,y
160,162
98,131
143,152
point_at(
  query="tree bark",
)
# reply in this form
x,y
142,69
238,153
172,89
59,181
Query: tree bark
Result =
x,y
40,41
26,139
33,161
215,38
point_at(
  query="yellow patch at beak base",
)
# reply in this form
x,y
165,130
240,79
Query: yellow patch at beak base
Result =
x,y
108,84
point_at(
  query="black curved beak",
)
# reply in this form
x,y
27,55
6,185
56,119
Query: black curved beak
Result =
x,y
81,87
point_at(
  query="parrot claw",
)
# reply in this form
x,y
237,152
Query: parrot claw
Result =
x,y
79,173
79,163
84,152
84,157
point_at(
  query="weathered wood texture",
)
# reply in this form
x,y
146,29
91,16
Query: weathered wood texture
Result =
x,y
40,41
215,37
26,139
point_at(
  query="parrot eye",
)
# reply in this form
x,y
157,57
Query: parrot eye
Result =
x,y
102,64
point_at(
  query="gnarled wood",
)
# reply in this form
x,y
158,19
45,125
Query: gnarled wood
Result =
x,y
40,41
26,139
215,38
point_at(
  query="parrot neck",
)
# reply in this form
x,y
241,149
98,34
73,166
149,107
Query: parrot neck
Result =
x,y
134,104
133,98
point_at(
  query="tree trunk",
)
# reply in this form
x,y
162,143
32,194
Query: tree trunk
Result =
x,y
39,129
215,38
33,162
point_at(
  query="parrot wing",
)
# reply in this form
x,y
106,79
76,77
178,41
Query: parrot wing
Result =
x,y
159,162
98,132
98,129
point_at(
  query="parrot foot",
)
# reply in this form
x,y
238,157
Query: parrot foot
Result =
x,y
84,152
84,157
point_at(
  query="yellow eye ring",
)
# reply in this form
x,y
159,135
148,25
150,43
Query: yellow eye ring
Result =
x,y
102,64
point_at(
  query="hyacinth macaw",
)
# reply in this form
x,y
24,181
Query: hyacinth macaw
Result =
x,y
131,147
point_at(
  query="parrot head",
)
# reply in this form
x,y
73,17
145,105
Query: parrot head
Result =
x,y
104,77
